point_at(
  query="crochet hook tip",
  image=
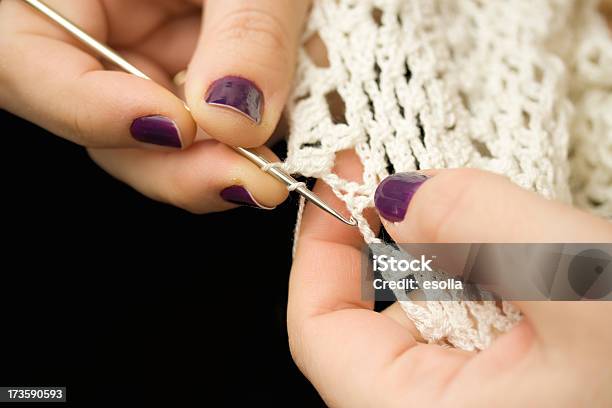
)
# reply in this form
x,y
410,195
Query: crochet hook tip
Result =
x,y
316,200
351,221
292,184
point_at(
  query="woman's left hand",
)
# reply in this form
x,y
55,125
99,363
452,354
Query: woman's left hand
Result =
x,y
558,356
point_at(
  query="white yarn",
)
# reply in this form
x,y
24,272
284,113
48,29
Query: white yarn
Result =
x,y
512,87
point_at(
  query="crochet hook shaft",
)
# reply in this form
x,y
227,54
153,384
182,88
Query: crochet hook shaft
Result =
x,y
106,52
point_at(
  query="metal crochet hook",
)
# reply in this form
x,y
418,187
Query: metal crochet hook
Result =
x,y
266,166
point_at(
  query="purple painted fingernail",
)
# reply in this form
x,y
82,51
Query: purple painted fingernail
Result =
x,y
242,196
394,193
238,94
157,130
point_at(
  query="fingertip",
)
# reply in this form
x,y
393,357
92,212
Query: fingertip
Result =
x,y
241,73
471,205
266,191
233,110
115,109
220,179
394,194
161,132
165,122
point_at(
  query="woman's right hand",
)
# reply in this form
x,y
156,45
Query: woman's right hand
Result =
x,y
240,57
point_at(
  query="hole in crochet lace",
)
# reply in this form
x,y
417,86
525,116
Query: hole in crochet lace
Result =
x,y
311,144
605,8
302,97
377,74
390,168
377,16
465,101
595,56
526,118
421,129
317,51
594,202
538,74
407,72
481,148
337,107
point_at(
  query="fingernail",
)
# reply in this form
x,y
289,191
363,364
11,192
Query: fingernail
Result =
x,y
238,94
242,196
157,130
394,193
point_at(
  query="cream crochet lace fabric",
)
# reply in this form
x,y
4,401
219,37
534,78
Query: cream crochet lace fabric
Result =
x,y
522,88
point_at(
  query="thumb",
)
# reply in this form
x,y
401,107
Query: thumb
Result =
x,y
468,205
240,75
473,206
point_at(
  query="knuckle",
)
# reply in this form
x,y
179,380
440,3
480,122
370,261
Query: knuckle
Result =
x,y
255,26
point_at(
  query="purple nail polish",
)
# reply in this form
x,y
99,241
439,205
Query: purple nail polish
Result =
x,y
157,130
238,94
242,196
394,194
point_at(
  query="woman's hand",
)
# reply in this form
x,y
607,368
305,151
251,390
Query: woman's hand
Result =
x,y
559,356
241,56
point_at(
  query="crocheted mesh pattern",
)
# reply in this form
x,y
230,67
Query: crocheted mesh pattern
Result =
x,y
521,88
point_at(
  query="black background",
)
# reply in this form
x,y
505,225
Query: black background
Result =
x,y
116,296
